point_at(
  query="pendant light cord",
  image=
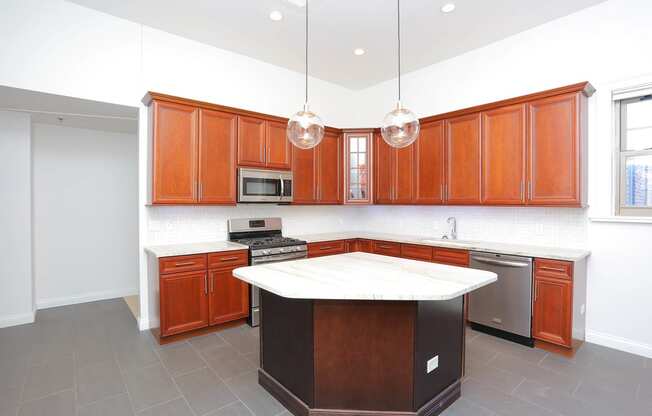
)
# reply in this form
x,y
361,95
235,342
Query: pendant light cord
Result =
x,y
398,32
306,52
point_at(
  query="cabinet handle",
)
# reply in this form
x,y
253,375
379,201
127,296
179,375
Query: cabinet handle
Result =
x,y
383,246
529,190
206,283
212,284
326,248
201,191
229,258
552,269
445,192
522,190
536,292
187,263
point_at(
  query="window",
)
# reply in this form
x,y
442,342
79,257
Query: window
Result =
x,y
634,131
358,158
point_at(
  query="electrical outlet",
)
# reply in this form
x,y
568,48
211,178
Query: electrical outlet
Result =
x,y
432,364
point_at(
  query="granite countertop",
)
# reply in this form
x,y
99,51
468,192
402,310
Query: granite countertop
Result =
x,y
557,253
375,277
170,250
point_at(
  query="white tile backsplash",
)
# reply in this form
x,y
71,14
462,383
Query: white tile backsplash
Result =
x,y
557,227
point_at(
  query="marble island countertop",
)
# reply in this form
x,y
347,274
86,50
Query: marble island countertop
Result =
x,y
516,249
364,276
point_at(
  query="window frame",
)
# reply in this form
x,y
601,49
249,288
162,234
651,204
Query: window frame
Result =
x,y
620,100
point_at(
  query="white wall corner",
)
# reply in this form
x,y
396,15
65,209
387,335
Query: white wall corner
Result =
x,y
619,343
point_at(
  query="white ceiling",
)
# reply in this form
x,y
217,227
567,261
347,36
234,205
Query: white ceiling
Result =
x,y
339,26
68,111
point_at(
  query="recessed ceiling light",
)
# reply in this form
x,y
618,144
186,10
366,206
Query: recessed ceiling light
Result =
x,y
447,8
276,15
358,51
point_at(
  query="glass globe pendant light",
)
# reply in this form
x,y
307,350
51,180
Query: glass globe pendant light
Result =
x,y
400,126
305,128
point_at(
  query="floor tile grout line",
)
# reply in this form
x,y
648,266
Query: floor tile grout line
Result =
x,y
124,382
74,382
523,380
54,393
176,385
223,380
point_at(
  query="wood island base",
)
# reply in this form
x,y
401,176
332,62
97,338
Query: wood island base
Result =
x,y
346,357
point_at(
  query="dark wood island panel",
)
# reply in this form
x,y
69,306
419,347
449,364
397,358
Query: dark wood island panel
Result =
x,y
341,357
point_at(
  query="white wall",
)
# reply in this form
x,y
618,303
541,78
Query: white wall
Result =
x,y
606,45
85,201
16,285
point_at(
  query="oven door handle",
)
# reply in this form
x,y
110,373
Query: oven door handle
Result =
x,y
275,259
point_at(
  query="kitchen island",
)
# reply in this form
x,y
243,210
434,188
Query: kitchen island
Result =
x,y
362,333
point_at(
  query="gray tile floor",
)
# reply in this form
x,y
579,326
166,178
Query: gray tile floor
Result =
x,y
90,360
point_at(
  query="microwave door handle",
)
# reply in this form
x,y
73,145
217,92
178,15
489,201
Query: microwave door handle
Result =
x,y
280,177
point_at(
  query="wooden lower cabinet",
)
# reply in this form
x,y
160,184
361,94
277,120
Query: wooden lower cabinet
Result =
x,y
228,297
364,246
196,299
327,248
184,302
552,315
387,248
452,257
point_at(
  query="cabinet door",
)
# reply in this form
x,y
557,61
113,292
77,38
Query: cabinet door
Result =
x,y
503,156
463,160
383,171
279,148
429,164
183,302
365,246
174,173
553,151
304,171
404,175
552,314
228,297
329,175
251,141
217,149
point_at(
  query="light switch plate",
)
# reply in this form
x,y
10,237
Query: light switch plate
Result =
x,y
432,364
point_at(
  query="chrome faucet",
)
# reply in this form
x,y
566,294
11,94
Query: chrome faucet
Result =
x,y
452,230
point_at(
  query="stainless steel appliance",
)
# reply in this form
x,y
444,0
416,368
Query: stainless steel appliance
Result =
x,y
504,308
266,244
258,185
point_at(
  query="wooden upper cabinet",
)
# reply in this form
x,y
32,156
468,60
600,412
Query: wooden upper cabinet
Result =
x,y
429,164
304,175
251,141
554,171
174,151
463,160
217,149
329,169
404,175
503,156
384,162
279,148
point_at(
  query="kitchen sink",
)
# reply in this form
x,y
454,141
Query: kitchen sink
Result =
x,y
444,241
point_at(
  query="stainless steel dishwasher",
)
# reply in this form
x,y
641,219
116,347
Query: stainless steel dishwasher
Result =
x,y
503,308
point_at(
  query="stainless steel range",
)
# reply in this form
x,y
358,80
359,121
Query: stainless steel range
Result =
x,y
266,243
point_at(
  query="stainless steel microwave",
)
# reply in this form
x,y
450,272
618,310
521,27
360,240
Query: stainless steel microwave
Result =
x,y
258,185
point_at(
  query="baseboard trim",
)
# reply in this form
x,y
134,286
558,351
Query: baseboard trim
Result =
x,y
619,343
86,297
18,319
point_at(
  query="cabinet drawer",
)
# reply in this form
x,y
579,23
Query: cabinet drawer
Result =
x,y
553,268
387,249
228,259
326,248
416,252
182,263
451,257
